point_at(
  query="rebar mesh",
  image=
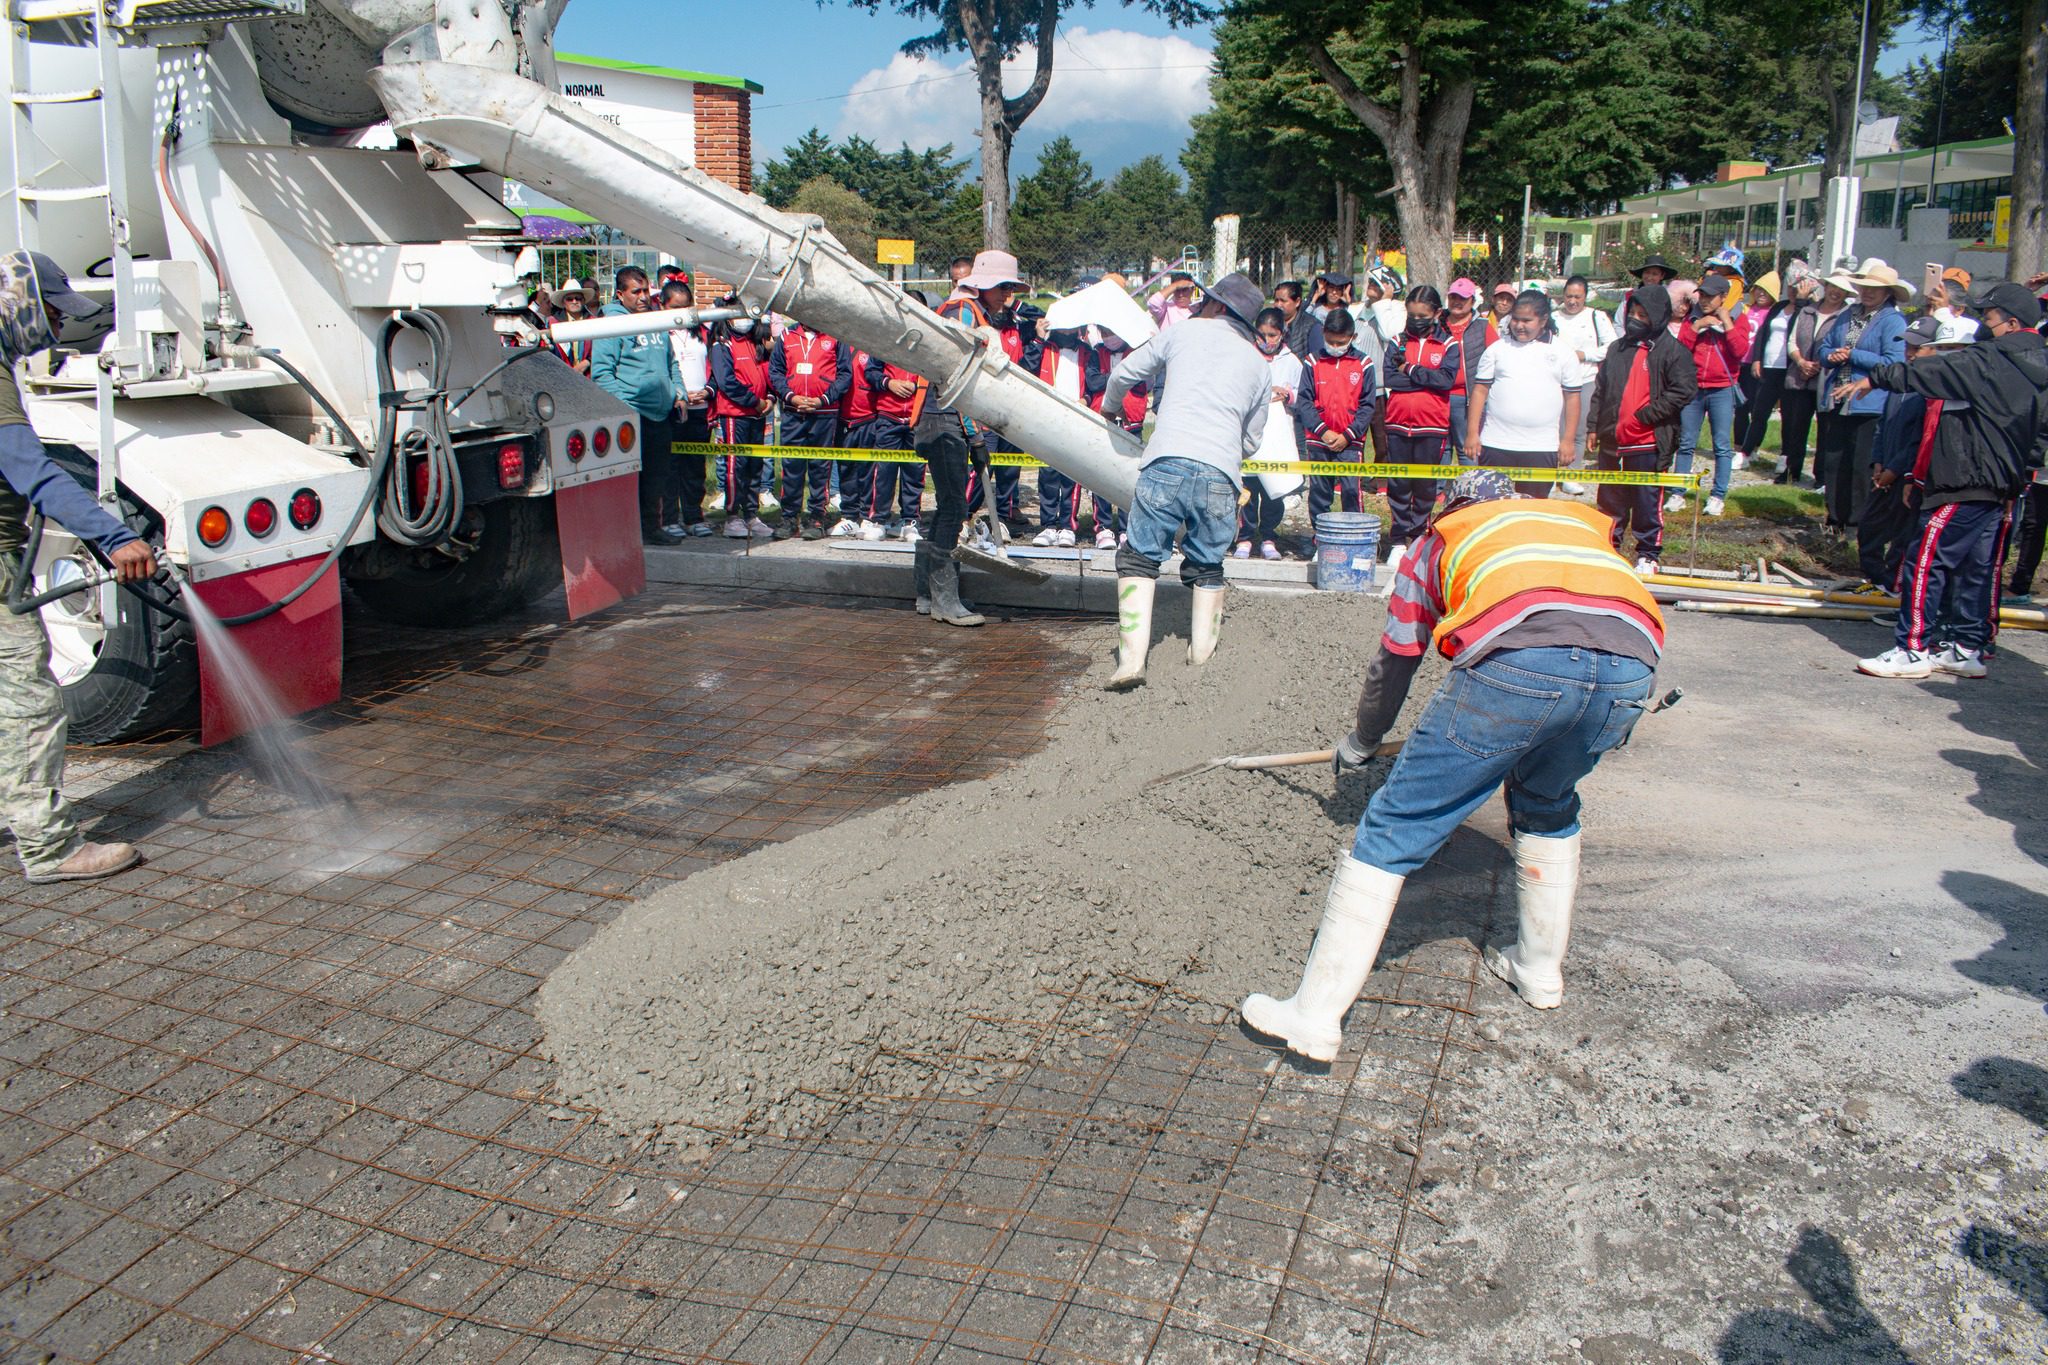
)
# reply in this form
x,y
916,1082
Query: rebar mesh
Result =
x,y
270,1098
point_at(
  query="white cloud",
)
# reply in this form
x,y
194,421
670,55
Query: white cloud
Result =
x,y
1097,78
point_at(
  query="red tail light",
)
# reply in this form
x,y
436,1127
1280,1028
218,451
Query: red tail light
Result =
x,y
420,476
261,518
574,446
511,465
304,509
601,440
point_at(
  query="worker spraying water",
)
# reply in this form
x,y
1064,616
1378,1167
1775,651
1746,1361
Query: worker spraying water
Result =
x,y
35,298
1553,643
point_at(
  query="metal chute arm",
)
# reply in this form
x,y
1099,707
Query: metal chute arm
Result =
x,y
520,130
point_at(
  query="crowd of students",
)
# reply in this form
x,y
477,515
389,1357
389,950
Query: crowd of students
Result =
x,y
1402,375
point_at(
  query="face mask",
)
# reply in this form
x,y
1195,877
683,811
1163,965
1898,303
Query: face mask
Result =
x,y
742,326
1337,347
1419,327
1004,320
1636,331
1271,347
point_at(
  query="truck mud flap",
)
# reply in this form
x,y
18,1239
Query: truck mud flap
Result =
x,y
295,652
599,527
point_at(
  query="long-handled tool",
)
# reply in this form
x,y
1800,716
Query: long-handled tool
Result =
x,y
1246,763
982,546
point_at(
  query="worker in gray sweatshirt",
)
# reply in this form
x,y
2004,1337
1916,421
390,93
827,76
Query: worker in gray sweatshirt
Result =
x,y
1213,414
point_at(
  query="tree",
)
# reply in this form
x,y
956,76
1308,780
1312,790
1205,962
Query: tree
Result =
x,y
1144,214
803,161
992,32
1973,92
847,216
2027,249
1057,211
1409,74
911,194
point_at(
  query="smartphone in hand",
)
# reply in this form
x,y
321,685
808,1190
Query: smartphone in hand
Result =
x,y
1930,277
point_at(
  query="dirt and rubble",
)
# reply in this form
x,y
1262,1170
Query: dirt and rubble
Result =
x,y
746,997
1791,1111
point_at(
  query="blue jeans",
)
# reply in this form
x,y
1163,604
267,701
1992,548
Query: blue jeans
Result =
x,y
1457,452
1535,719
1176,495
1719,406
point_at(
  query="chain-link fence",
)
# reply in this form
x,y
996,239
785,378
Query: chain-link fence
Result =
x,y
1484,252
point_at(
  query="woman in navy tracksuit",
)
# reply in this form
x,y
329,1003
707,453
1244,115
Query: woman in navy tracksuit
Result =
x,y
1421,367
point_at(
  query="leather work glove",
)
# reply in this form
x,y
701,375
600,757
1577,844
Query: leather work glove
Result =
x,y
1351,752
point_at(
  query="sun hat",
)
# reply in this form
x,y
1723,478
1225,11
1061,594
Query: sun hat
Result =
x,y
573,286
992,270
1876,274
1463,288
1654,262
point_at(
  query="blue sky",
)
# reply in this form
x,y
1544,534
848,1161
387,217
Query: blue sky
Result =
x,y
1124,83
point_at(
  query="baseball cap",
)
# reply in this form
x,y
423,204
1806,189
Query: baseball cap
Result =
x,y
55,287
1464,288
1505,287
2014,300
1923,332
1713,286
1336,279
1955,274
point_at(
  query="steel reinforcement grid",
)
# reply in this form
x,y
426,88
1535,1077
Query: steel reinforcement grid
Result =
x,y
267,1098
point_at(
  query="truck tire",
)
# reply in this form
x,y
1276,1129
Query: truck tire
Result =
x,y
517,560
134,675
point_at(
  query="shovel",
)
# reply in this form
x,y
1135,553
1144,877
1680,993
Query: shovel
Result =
x,y
1248,763
990,557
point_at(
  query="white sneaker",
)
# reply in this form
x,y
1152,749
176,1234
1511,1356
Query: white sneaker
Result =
x,y
1572,490
1964,663
1243,550
1105,540
1715,507
759,529
769,502
1646,566
1675,503
872,530
735,528
910,535
1740,461
1898,663
833,502
1045,538
717,503
1064,540
844,528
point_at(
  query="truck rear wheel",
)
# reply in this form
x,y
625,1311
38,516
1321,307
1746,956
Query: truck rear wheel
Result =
x,y
122,677
515,559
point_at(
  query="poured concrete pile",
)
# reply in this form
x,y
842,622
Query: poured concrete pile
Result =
x,y
745,996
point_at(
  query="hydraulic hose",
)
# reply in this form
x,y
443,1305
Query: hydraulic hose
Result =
x,y
432,517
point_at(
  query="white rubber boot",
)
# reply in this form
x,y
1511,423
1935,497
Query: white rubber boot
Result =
x,y
1134,631
1355,919
1546,883
1205,623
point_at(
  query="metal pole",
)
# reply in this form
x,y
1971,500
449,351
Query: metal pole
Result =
x,y
1856,101
1778,229
1522,254
1948,28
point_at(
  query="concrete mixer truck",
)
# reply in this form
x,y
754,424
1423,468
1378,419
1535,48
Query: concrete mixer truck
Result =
x,y
318,362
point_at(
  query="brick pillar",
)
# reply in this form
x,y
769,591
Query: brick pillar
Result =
x,y
725,151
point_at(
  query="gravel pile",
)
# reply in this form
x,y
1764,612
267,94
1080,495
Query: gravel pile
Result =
x,y
745,996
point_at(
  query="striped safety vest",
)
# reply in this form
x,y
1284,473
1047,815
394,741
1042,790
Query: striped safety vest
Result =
x,y
1506,560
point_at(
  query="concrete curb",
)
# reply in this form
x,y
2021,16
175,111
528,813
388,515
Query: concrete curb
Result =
x,y
865,569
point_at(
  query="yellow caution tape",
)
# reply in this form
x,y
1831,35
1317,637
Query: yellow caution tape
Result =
x,y
1329,469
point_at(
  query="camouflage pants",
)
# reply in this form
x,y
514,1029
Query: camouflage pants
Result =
x,y
32,726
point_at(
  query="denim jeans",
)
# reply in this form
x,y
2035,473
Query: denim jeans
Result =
x,y
1718,406
1537,720
1176,495
1457,451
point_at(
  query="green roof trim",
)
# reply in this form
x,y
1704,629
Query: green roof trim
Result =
x,y
666,73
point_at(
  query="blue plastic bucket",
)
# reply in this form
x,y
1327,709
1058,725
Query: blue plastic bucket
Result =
x,y
1347,551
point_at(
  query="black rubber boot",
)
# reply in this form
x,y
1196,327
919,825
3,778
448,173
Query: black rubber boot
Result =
x,y
921,576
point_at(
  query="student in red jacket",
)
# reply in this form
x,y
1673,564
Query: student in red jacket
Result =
x,y
897,491
856,477
1335,405
1422,365
1643,383
1717,359
809,375
739,411
1068,365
